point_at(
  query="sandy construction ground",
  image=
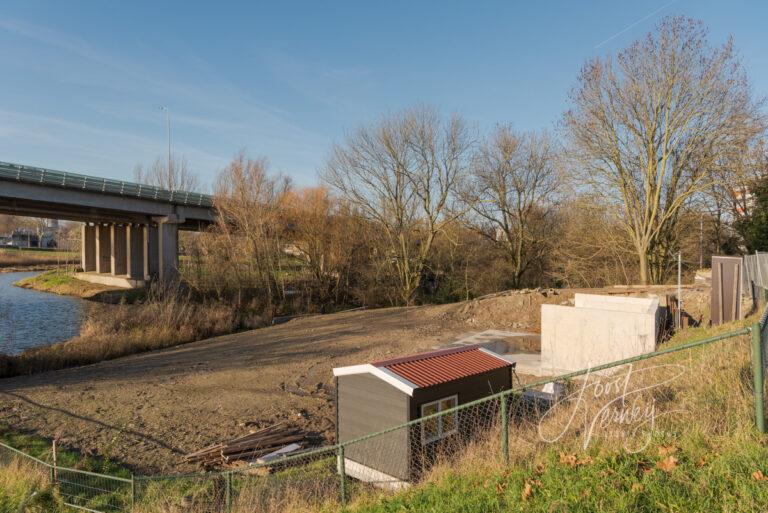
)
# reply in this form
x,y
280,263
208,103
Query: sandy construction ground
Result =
x,y
149,410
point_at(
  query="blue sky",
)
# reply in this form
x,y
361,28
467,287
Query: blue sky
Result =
x,y
82,81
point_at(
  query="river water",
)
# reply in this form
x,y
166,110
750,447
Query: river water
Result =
x,y
29,318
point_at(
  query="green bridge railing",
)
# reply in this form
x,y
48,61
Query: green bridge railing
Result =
x,y
50,177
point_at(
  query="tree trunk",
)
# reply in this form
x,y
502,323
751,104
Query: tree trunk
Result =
x,y
643,262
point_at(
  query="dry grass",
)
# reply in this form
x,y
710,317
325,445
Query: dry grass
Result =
x,y
24,488
166,318
22,258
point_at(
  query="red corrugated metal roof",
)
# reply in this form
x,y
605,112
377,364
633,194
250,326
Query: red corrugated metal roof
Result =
x,y
427,369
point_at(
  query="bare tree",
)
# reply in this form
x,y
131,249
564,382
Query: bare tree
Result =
x,y
331,241
177,178
8,223
648,129
592,249
248,240
401,174
511,193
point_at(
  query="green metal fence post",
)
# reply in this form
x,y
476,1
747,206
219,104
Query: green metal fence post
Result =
x,y
757,376
505,428
133,492
342,476
228,492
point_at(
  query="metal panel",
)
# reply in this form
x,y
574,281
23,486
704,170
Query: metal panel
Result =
x,y
755,273
726,289
445,365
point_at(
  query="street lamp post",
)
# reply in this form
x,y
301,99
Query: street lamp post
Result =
x,y
168,126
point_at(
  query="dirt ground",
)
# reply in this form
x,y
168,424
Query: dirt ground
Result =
x,y
148,410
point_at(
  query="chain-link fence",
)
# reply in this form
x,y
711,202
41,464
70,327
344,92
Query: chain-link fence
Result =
x,y
628,402
76,488
755,273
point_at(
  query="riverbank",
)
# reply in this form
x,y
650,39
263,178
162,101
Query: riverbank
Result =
x,y
19,260
28,268
158,320
29,318
64,283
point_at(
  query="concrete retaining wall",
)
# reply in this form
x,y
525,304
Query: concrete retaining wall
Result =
x,y
597,330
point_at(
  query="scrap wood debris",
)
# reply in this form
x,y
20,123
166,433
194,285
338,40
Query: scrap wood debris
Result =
x,y
252,447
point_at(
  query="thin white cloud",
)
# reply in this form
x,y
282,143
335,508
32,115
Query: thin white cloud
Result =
x,y
220,109
120,148
634,24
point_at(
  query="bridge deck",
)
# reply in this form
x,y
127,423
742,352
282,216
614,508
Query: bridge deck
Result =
x,y
50,177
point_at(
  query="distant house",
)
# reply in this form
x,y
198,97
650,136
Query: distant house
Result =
x,y
380,395
744,200
24,238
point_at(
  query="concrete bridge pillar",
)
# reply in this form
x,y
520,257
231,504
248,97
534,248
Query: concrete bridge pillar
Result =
x,y
138,252
168,248
135,251
103,249
119,250
153,255
88,248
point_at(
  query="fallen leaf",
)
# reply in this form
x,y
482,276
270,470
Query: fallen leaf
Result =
x,y
573,461
758,476
501,487
637,487
666,450
568,459
529,485
702,461
668,464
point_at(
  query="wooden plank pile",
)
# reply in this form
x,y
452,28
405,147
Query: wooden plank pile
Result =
x,y
250,447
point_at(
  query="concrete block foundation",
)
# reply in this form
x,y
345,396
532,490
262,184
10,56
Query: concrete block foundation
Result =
x,y
597,330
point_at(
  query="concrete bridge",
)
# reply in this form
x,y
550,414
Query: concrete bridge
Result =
x,y
130,231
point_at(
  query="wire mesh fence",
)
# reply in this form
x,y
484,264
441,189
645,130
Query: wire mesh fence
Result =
x,y
92,491
629,404
80,489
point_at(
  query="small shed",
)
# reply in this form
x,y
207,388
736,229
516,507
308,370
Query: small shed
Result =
x,y
376,396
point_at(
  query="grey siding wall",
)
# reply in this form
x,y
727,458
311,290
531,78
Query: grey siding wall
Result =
x,y
472,423
367,405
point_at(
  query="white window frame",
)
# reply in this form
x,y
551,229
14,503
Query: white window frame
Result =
x,y
440,433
